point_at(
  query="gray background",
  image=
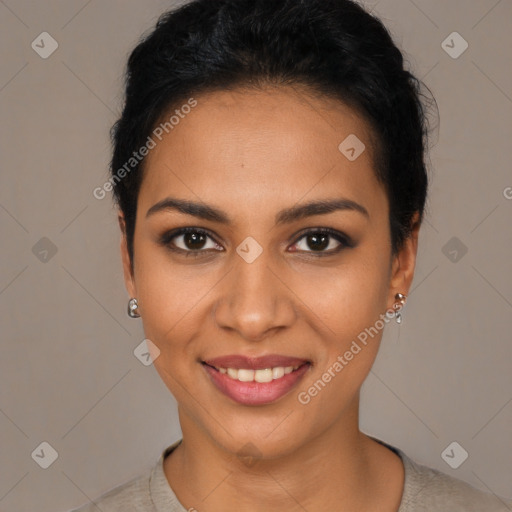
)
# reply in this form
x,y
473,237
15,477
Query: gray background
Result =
x,y
68,373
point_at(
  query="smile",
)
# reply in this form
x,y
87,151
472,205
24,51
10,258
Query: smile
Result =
x,y
255,381
265,375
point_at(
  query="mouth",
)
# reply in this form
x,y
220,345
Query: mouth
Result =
x,y
256,381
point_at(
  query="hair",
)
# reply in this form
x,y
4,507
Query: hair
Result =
x,y
333,47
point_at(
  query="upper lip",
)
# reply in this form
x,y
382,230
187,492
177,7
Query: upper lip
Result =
x,y
254,363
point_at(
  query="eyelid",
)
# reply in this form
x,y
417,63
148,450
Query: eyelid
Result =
x,y
166,238
343,239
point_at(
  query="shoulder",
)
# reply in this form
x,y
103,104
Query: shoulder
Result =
x,y
428,489
133,495
148,492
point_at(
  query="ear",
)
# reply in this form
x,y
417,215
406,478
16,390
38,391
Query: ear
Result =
x,y
129,280
404,262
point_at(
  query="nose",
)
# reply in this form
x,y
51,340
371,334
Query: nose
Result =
x,y
255,302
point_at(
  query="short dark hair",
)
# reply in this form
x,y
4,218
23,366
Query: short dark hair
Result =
x,y
334,47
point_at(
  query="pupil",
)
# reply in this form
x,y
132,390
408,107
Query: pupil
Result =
x,y
313,241
194,238
196,241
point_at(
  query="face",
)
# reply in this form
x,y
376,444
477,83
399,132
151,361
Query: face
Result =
x,y
259,307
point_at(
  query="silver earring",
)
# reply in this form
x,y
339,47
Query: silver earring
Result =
x,y
397,306
133,306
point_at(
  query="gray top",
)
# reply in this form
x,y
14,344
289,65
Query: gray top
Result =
x,y
425,489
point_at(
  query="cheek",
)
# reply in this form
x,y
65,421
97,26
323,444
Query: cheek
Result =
x,y
351,314
349,304
346,298
340,300
169,294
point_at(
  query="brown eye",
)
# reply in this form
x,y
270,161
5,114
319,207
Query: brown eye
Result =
x,y
318,242
193,241
322,241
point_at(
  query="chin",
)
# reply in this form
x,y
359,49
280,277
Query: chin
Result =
x,y
267,436
250,445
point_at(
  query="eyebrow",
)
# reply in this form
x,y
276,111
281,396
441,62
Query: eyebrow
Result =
x,y
286,216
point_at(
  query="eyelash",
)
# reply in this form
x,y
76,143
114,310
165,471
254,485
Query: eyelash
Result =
x,y
344,240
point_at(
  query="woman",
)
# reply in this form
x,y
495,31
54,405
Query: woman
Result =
x,y
269,171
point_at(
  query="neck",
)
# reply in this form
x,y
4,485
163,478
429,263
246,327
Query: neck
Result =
x,y
335,471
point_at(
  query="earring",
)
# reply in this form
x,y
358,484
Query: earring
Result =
x,y
397,306
133,306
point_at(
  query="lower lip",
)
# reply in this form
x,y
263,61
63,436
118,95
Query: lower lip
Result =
x,y
255,393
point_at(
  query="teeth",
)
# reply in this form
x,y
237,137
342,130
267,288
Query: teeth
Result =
x,y
265,375
245,375
278,372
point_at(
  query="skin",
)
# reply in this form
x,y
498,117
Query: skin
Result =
x,y
252,154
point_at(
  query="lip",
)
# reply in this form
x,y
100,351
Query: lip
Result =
x,y
255,393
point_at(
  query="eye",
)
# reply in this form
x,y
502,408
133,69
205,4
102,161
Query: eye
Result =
x,y
321,239
192,241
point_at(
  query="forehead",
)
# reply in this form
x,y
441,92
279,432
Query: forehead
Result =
x,y
262,146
